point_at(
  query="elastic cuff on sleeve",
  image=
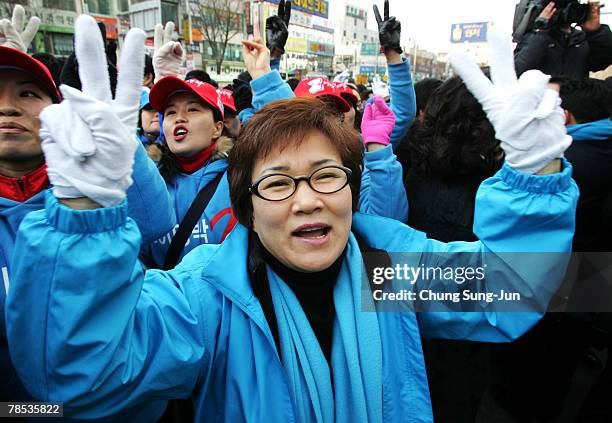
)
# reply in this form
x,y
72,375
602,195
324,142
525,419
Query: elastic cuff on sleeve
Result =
x,y
266,82
380,154
68,220
552,183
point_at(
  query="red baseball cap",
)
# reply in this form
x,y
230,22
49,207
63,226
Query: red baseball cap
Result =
x,y
169,85
227,99
346,92
321,87
11,58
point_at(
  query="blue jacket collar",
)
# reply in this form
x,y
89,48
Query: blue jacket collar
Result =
x,y
592,131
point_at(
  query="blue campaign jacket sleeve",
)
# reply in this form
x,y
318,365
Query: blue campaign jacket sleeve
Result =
x,y
125,370
266,89
382,190
515,213
148,199
403,100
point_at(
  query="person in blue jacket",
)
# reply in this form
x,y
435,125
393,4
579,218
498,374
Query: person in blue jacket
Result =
x,y
271,325
26,87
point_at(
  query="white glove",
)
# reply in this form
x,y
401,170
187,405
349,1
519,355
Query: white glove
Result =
x,y
168,54
343,77
88,139
526,115
379,88
12,33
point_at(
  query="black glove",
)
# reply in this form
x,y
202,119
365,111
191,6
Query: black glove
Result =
x,y
243,96
389,30
276,28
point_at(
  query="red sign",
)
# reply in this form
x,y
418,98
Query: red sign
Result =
x,y
111,26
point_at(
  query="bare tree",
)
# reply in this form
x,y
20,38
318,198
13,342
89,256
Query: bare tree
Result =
x,y
221,20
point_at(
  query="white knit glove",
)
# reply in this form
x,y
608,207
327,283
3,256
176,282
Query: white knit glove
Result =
x,y
379,88
343,77
12,33
168,54
526,115
88,139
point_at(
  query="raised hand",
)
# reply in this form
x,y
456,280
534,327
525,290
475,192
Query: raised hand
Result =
x,y
389,30
168,54
525,113
377,122
88,139
277,29
593,22
256,55
12,33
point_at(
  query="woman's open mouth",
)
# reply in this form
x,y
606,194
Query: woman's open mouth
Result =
x,y
313,234
180,133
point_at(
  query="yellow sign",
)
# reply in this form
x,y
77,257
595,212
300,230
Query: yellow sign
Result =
x,y
296,45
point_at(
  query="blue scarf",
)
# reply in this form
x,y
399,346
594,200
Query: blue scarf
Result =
x,y
356,351
592,131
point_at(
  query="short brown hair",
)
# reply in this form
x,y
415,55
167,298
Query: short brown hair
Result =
x,y
287,123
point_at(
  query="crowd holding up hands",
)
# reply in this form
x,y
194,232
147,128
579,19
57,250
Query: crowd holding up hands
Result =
x,y
228,272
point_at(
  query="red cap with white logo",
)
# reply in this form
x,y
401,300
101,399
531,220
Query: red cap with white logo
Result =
x,y
346,92
227,99
321,87
169,85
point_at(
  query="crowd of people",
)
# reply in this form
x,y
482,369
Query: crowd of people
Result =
x,y
163,261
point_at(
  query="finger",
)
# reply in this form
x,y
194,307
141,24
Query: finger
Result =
x,y
503,72
386,9
11,34
168,30
377,15
532,86
287,12
256,32
472,76
31,29
129,80
281,8
253,45
158,35
18,18
90,55
549,103
367,113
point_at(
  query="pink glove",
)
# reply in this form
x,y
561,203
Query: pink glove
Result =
x,y
377,123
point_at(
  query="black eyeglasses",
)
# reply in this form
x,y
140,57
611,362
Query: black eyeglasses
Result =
x,y
279,187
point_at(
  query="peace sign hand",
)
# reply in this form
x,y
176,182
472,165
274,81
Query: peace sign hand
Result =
x,y
525,113
12,33
277,30
89,139
168,54
389,30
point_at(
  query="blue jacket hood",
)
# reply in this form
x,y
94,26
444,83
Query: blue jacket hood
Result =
x,y
592,131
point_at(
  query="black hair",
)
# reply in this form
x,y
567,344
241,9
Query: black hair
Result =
x,y
423,90
52,63
293,83
245,76
198,74
588,99
455,136
148,66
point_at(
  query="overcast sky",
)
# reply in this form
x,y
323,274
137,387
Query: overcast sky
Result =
x,y
430,21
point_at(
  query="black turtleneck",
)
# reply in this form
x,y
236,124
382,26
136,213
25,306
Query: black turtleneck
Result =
x,y
314,291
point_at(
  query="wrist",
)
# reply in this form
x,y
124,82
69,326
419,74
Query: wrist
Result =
x,y
81,203
393,57
550,168
374,145
258,73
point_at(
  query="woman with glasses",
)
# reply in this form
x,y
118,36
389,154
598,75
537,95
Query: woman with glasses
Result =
x,y
273,324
